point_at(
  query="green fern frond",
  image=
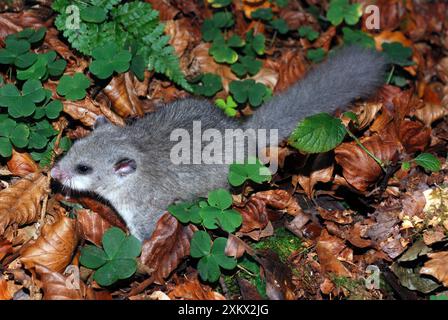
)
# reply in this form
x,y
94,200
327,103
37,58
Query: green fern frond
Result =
x,y
132,22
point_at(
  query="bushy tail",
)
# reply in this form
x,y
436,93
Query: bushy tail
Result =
x,y
352,72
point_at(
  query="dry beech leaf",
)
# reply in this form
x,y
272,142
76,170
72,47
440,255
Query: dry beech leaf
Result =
x,y
236,247
437,266
20,203
321,170
389,36
328,249
182,35
84,110
359,169
168,245
202,62
123,97
5,248
21,164
54,247
366,112
430,113
266,76
280,200
325,39
91,226
59,287
291,67
103,210
414,136
278,275
192,289
338,216
248,290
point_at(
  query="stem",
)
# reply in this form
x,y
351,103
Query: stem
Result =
x,y
389,77
381,164
274,37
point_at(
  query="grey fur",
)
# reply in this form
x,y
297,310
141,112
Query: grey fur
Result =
x,y
141,197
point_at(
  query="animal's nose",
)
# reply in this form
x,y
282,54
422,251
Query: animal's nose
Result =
x,y
56,173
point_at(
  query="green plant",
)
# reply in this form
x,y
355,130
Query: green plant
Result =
x,y
246,65
211,28
316,55
25,106
116,260
228,106
308,32
73,87
342,10
207,85
318,133
358,37
108,59
267,15
398,54
211,214
131,24
223,50
425,160
211,256
249,91
253,170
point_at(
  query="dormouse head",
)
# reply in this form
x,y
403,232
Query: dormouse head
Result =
x,y
103,161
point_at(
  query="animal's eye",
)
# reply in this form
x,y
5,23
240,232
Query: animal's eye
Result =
x,y
83,169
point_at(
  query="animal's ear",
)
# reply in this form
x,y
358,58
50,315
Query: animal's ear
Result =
x,y
125,166
100,121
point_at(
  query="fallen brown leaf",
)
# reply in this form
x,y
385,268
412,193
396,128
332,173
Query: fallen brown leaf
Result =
x,y
21,164
54,247
437,266
91,226
20,203
328,249
168,245
192,289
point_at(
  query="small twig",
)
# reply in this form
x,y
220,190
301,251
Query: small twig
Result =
x,y
224,288
381,164
274,37
391,73
62,125
141,287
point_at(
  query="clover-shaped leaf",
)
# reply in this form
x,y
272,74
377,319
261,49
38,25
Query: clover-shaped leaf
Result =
x,y
22,104
280,26
253,170
73,87
265,14
222,51
358,37
29,35
219,3
308,32
109,58
228,106
318,133
340,10
211,28
398,54
316,55
45,65
246,64
185,212
17,53
12,133
117,259
249,91
207,85
211,257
